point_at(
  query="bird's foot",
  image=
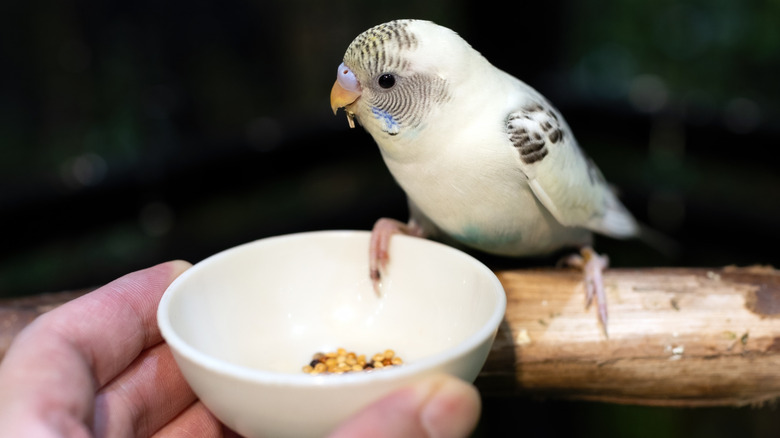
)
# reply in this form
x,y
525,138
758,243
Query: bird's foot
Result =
x,y
378,251
592,266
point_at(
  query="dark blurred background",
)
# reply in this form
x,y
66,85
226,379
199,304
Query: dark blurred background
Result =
x,y
137,132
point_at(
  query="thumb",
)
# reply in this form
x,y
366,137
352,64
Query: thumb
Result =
x,y
438,407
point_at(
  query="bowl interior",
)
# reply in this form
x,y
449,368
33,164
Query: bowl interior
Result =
x,y
270,304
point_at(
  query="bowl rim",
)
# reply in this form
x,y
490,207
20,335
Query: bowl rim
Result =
x,y
226,368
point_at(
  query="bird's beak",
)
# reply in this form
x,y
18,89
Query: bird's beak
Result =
x,y
341,97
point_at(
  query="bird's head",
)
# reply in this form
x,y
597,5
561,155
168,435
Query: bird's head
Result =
x,y
396,74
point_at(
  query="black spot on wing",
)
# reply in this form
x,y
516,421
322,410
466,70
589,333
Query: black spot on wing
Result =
x,y
552,127
532,129
555,135
530,145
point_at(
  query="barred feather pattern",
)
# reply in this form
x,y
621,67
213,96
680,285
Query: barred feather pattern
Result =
x,y
405,105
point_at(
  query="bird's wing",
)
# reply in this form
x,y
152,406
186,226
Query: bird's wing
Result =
x,y
561,176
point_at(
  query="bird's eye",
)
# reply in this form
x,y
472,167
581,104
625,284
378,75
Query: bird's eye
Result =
x,y
386,81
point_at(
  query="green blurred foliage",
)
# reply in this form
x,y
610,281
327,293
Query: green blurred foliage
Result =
x,y
131,98
135,132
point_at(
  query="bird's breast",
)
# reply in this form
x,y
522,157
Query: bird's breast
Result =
x,y
482,201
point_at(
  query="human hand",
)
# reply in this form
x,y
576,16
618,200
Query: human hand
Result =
x,y
97,366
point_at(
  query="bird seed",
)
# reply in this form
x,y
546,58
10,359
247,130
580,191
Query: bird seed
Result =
x,y
343,361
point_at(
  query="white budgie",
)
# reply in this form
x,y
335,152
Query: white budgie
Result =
x,y
485,160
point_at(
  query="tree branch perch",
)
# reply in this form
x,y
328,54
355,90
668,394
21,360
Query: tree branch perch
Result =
x,y
677,337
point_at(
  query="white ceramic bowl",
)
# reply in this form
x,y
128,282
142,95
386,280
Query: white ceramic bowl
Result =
x,y
242,323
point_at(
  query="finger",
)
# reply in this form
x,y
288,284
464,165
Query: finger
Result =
x,y
56,364
195,421
112,325
143,398
443,406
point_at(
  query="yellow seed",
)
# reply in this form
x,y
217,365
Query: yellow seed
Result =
x,y
343,361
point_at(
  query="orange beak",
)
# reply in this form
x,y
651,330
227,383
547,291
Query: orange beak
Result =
x,y
340,97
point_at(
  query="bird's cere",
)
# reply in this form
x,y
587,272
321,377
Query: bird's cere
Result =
x,y
347,79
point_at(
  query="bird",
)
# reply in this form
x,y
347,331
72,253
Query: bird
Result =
x,y
486,162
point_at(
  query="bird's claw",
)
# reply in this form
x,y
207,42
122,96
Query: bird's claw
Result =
x,y
376,281
379,246
592,266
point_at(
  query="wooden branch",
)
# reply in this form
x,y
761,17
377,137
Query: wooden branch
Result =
x,y
677,337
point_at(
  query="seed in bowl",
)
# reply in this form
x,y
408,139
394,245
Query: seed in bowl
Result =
x,y
343,361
